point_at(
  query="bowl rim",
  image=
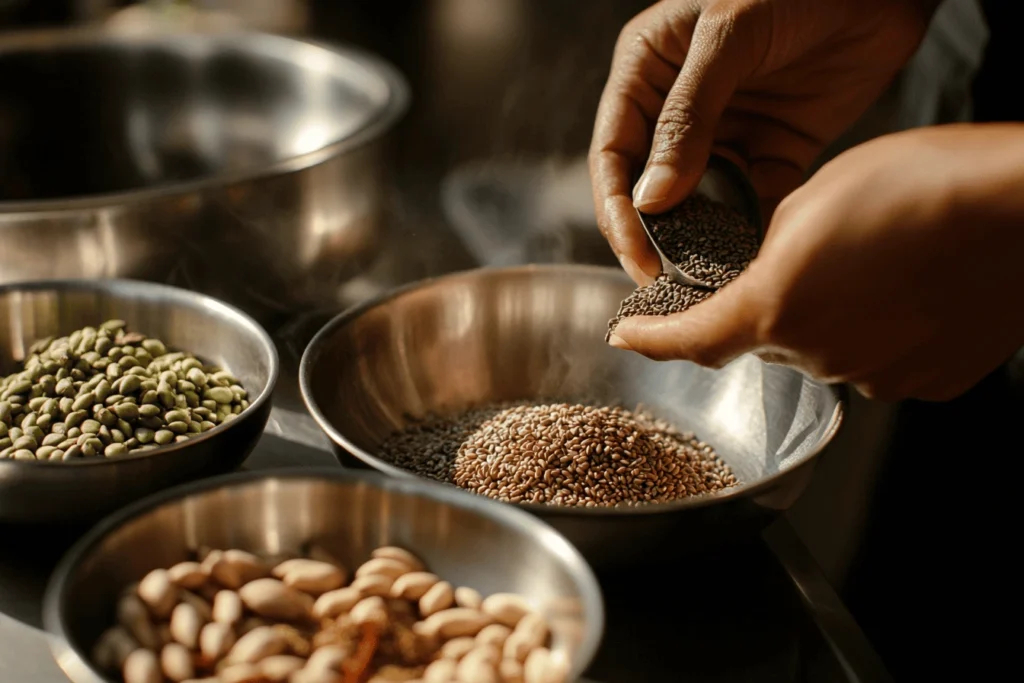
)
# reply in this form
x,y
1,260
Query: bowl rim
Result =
x,y
67,654
317,345
393,107
179,296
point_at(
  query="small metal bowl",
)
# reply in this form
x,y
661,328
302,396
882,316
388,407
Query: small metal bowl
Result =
x,y
494,335
465,539
81,491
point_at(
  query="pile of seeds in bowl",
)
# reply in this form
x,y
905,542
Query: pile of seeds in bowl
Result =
x,y
105,392
234,617
561,454
709,242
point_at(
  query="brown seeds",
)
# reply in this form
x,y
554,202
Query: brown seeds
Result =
x,y
561,454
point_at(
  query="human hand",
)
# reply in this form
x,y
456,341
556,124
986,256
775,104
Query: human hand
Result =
x,y
896,268
767,83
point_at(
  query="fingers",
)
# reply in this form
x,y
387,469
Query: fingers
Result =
x,y
722,52
712,333
647,58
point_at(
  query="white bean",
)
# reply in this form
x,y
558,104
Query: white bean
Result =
x,y
436,599
176,662
159,594
142,666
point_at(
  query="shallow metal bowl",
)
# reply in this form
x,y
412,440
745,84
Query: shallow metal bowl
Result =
x,y
81,491
538,331
465,539
249,166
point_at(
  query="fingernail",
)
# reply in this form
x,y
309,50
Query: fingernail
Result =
x,y
619,343
634,271
654,186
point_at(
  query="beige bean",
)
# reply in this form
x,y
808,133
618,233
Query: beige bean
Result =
x,y
112,648
241,673
134,617
278,668
310,576
495,634
370,610
188,575
440,671
373,584
414,585
159,594
436,599
272,599
383,566
505,608
479,666
327,658
208,679
534,630
216,640
308,675
510,671
257,644
456,622
176,662
543,667
142,666
468,597
186,625
227,607
457,648
390,552
201,605
334,603
516,647
235,568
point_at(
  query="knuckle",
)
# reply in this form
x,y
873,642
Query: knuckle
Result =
x,y
676,123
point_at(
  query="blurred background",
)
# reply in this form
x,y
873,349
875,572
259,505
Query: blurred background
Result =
x,y
488,165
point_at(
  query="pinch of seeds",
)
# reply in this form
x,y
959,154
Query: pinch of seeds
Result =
x,y
663,297
105,392
561,454
709,241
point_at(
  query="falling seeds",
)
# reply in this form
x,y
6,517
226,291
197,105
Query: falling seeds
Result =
x,y
664,297
561,454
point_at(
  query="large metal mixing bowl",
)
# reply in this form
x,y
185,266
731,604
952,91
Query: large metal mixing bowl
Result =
x,y
81,491
538,331
465,539
248,166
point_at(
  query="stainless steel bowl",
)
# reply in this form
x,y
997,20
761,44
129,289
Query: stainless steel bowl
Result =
x,y
249,166
502,334
466,539
81,491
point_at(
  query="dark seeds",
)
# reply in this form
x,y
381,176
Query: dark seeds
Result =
x,y
561,454
664,297
709,241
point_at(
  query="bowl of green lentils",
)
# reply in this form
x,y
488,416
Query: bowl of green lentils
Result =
x,y
113,389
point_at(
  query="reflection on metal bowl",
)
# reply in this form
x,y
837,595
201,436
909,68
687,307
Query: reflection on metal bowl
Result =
x,y
78,492
502,334
464,539
245,165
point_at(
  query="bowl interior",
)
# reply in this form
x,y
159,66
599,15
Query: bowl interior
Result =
x,y
85,114
471,543
538,332
214,332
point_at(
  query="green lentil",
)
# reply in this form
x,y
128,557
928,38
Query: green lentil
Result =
x,y
104,392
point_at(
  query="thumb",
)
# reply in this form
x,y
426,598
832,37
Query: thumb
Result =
x,y
714,332
718,59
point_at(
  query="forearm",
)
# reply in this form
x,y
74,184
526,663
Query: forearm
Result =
x,y
986,189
